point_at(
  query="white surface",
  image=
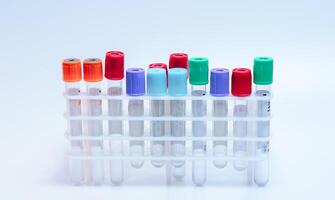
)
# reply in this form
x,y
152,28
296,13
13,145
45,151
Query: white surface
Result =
x,y
35,36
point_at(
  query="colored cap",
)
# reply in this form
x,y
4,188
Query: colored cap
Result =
x,y
198,71
71,70
178,60
159,65
114,65
93,70
241,82
263,70
135,81
156,82
177,82
219,82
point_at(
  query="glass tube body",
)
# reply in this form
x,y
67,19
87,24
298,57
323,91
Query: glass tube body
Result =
x,y
157,129
94,128
178,129
240,129
115,127
220,129
136,129
75,129
261,174
199,129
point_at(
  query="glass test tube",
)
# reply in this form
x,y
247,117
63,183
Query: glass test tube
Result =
x,y
93,77
114,73
241,87
240,130
115,127
136,87
198,80
220,87
199,129
157,129
263,130
156,86
263,75
178,88
72,77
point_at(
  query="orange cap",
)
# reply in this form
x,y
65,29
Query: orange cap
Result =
x,y
93,70
71,70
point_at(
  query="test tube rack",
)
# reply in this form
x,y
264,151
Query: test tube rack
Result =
x,y
80,160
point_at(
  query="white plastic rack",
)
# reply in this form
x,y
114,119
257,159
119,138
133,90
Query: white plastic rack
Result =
x,y
111,157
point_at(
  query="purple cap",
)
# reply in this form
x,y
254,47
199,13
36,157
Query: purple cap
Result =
x,y
219,82
135,81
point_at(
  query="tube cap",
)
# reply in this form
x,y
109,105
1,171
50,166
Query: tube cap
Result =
x,y
92,70
219,82
71,70
156,82
198,71
263,70
135,81
159,65
114,65
177,82
241,82
178,60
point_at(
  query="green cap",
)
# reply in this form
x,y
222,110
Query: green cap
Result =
x,y
198,71
263,70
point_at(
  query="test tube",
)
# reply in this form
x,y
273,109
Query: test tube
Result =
x,y
263,75
114,73
135,86
156,85
241,87
199,80
93,76
219,87
72,76
178,88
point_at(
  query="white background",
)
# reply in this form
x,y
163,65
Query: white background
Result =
x,y
35,36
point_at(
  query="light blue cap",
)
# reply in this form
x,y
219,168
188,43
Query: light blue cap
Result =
x,y
156,82
177,82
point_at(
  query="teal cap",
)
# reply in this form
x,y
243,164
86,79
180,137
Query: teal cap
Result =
x,y
156,82
177,82
263,70
198,71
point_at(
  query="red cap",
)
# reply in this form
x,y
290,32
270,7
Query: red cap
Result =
x,y
160,65
241,82
178,60
71,70
93,70
114,65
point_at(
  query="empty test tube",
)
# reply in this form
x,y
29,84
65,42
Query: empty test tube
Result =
x,y
156,86
114,73
263,75
93,77
241,87
178,88
219,88
199,80
135,86
72,76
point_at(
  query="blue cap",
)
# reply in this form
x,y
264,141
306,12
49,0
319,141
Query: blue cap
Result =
x,y
135,81
219,82
177,82
156,82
